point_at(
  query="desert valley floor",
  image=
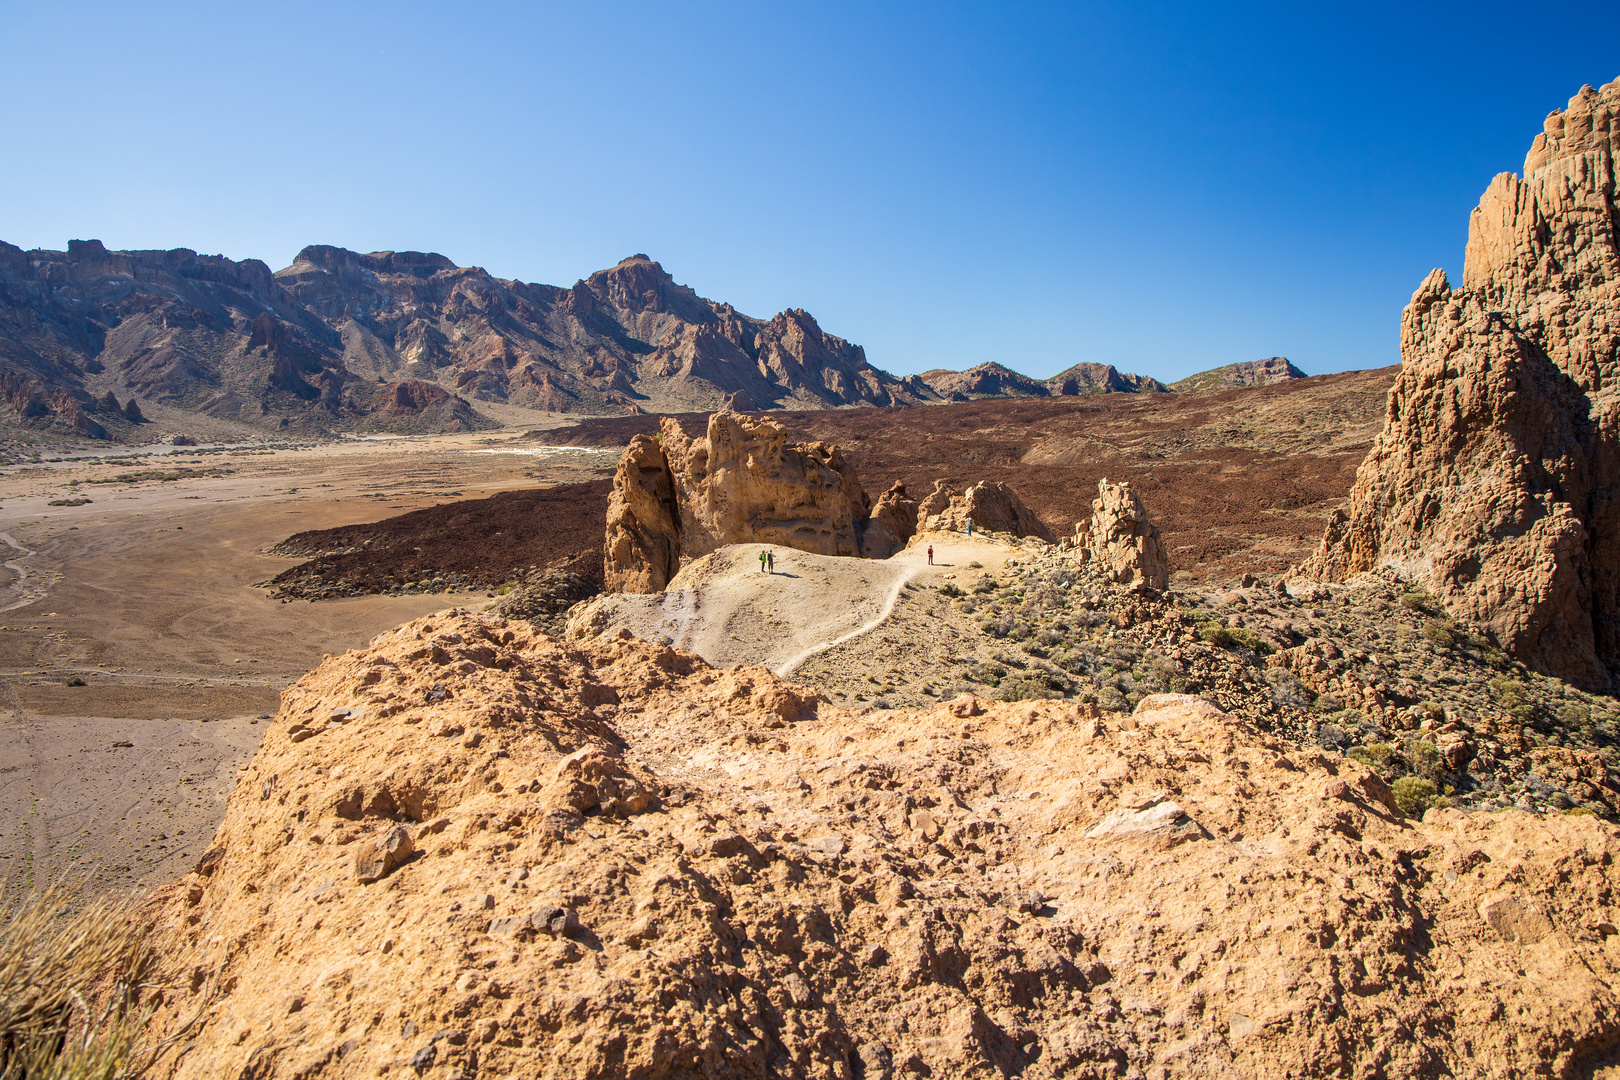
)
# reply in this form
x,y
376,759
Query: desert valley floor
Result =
x,y
146,593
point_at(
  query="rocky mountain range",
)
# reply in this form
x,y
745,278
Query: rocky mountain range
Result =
x,y
994,380
391,340
409,341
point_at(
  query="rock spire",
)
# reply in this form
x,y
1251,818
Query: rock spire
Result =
x,y
1492,481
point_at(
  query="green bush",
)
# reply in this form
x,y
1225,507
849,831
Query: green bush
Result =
x,y
1111,700
1422,602
1441,635
1513,699
1414,794
1228,637
1424,757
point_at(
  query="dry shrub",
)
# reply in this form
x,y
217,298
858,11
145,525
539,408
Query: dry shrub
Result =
x,y
70,969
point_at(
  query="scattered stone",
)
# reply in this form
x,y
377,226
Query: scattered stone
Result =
x,y
382,855
556,921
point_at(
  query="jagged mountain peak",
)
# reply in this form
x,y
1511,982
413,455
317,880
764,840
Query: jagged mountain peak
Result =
x,y
320,342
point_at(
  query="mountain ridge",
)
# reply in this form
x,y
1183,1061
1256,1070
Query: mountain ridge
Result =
x,y
391,340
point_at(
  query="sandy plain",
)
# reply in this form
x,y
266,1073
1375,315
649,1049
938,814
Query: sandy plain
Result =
x,y
146,596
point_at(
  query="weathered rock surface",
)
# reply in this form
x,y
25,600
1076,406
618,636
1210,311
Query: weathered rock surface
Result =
x,y
676,498
976,889
892,521
1492,481
642,550
989,505
1120,541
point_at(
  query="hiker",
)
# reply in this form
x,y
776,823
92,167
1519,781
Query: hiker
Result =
x,y
970,528
930,554
770,562
762,557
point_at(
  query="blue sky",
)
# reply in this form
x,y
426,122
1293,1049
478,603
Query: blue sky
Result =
x,y
1163,187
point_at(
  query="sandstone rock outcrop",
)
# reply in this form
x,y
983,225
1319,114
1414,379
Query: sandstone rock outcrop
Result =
x,y
627,863
677,498
1121,542
991,506
892,521
642,549
1492,481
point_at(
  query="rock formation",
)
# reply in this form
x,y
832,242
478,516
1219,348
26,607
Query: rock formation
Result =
x,y
1268,372
892,521
325,341
676,498
982,381
642,551
1121,542
1491,483
990,506
470,850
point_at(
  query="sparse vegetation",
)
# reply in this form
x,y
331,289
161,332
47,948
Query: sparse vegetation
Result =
x,y
1414,795
70,970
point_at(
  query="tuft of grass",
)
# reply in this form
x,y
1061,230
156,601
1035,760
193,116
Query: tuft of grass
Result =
x,y
70,968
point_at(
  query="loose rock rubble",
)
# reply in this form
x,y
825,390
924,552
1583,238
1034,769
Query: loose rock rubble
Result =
x,y
1039,888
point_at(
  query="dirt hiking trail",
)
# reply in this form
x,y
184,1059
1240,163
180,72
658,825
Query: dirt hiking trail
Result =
x,y
725,609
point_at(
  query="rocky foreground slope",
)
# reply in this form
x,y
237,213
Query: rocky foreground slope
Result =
x,y
468,849
1491,482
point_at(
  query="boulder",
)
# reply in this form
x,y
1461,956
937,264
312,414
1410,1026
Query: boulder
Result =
x,y
891,523
1491,481
1121,542
989,505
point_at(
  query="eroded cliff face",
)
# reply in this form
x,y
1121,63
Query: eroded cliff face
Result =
x,y
468,849
396,340
1492,480
676,498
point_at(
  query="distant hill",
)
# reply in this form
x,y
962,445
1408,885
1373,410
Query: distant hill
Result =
x,y
983,381
992,380
391,340
1276,369
1102,379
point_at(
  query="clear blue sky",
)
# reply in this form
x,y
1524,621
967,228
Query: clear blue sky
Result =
x,y
1164,187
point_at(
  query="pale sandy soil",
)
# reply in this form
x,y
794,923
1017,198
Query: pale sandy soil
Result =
x,y
726,610
146,595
